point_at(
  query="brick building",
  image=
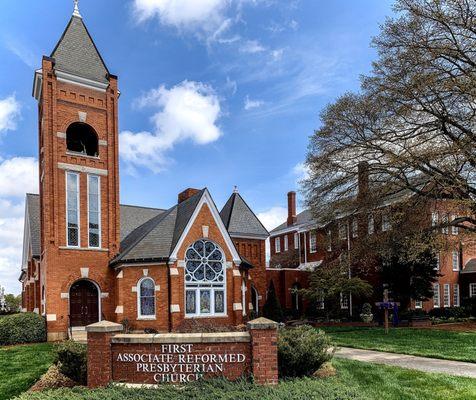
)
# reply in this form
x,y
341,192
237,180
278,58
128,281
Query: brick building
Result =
x,y
88,258
303,243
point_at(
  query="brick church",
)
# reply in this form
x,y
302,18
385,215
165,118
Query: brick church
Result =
x,y
88,258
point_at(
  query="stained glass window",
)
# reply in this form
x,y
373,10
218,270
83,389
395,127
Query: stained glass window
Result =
x,y
204,279
94,208
147,298
72,205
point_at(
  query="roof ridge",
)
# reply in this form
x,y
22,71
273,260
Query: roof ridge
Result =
x,y
154,221
252,212
144,207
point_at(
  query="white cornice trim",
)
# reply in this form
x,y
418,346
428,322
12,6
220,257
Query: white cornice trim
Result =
x,y
262,237
84,82
37,84
81,168
207,199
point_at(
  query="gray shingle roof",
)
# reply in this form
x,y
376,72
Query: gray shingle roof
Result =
x,y
77,54
240,220
302,218
156,238
33,209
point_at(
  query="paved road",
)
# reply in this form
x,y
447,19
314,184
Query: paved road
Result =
x,y
456,368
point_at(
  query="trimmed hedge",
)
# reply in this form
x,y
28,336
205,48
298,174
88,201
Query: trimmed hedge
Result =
x,y
302,351
71,359
22,328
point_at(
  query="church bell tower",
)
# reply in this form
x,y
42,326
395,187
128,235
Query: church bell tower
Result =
x,y
79,172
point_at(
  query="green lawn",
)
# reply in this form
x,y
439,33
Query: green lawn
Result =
x,y
21,366
355,380
434,343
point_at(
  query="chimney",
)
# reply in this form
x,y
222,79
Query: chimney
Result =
x,y
291,208
186,194
363,179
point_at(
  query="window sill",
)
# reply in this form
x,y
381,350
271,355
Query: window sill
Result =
x,y
75,154
206,316
82,248
146,318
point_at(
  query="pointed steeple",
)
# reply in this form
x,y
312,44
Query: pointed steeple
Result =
x,y
76,54
76,12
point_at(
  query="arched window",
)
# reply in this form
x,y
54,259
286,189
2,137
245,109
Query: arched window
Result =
x,y
81,138
146,298
204,279
255,299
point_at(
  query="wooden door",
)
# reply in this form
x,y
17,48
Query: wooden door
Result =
x,y
84,304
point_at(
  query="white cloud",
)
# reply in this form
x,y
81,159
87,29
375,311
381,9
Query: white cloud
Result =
x,y
277,54
250,104
21,51
17,177
183,14
188,111
301,171
252,47
273,217
9,113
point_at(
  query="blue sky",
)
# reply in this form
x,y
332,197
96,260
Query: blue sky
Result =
x,y
215,93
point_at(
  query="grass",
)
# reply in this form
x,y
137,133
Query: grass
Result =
x,y
435,343
21,366
355,380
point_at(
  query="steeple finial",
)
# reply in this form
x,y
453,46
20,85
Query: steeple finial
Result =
x,y
235,189
76,9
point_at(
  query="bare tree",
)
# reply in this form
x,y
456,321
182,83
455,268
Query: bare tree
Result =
x,y
414,120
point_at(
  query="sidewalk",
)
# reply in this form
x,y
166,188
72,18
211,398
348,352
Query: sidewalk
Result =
x,y
424,364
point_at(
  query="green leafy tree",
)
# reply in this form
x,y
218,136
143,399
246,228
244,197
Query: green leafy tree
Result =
x,y
328,281
12,302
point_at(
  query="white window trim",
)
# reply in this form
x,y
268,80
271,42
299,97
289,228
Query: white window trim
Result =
x,y
472,289
139,315
444,220
99,212
329,240
311,248
434,218
78,186
277,245
212,289
436,295
296,241
342,306
286,243
446,295
455,268
454,229
355,228
456,295
371,223
386,224
418,304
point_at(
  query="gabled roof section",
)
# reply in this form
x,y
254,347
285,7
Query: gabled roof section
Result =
x,y
76,53
156,238
303,218
32,208
240,220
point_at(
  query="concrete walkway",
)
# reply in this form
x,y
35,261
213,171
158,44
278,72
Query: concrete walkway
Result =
x,y
424,364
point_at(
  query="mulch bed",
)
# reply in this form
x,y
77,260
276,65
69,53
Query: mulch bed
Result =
x,y
53,379
456,327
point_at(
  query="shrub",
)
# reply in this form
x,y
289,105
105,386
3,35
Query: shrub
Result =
x,y
449,312
302,351
71,359
22,328
272,308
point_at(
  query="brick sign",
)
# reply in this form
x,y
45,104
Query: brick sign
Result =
x,y
181,358
180,363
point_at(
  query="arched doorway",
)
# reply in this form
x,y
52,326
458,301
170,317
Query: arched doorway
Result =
x,y
255,300
83,303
